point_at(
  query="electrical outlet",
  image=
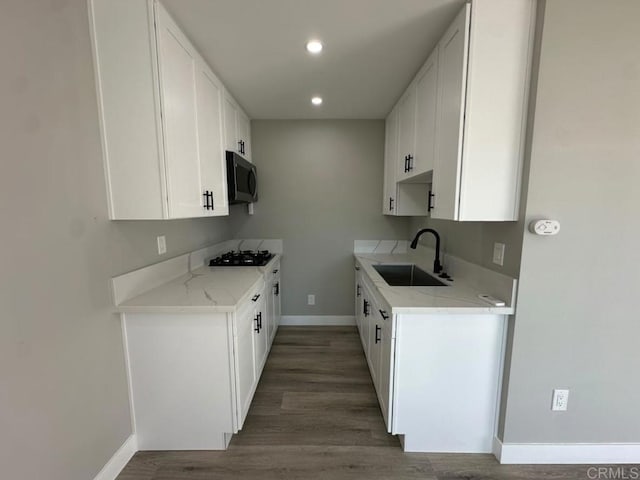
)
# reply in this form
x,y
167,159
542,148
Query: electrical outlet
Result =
x,y
560,400
162,245
311,299
498,253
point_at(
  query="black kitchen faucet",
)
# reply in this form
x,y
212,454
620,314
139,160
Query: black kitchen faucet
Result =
x,y
437,267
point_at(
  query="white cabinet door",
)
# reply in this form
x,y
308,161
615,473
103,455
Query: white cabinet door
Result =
x,y
365,302
375,348
385,372
426,100
209,92
245,361
260,332
178,70
452,71
244,134
407,133
276,311
230,126
389,201
273,303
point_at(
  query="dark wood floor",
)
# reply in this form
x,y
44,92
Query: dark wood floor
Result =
x,y
315,416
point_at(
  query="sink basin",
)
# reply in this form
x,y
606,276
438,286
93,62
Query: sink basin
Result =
x,y
407,276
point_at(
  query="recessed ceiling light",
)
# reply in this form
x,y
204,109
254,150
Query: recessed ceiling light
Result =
x,y
316,100
314,46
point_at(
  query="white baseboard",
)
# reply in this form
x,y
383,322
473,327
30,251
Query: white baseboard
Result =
x,y
119,460
318,320
566,453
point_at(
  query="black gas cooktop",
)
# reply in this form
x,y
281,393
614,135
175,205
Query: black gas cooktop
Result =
x,y
242,258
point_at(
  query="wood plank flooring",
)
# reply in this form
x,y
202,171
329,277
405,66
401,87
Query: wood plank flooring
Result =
x,y
315,416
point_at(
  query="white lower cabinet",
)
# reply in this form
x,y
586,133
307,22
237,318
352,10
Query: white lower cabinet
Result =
x,y
437,376
193,376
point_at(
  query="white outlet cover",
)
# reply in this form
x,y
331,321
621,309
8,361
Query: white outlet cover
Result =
x,y
311,299
162,245
498,253
560,400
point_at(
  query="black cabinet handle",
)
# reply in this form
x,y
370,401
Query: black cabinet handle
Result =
x,y
384,315
257,327
358,293
391,204
275,271
378,330
429,202
276,289
406,162
260,321
208,200
410,162
365,308
255,297
239,146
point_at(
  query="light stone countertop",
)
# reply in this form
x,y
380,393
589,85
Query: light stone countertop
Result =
x,y
459,297
203,290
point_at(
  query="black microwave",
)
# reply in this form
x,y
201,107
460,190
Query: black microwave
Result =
x,y
242,181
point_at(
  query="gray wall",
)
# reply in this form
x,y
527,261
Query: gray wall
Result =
x,y
577,317
64,409
473,241
320,189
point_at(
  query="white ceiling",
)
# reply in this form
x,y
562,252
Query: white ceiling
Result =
x,y
372,50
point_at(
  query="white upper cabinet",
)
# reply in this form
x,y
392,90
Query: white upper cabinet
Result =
x,y
237,128
484,70
462,119
161,115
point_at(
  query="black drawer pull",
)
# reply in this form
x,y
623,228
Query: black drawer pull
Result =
x,y
257,327
378,330
358,292
255,297
276,289
384,315
365,308
275,271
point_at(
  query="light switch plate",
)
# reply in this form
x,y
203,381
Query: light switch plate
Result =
x,y
162,245
498,253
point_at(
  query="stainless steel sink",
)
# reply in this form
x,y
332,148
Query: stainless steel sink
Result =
x,y
407,276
